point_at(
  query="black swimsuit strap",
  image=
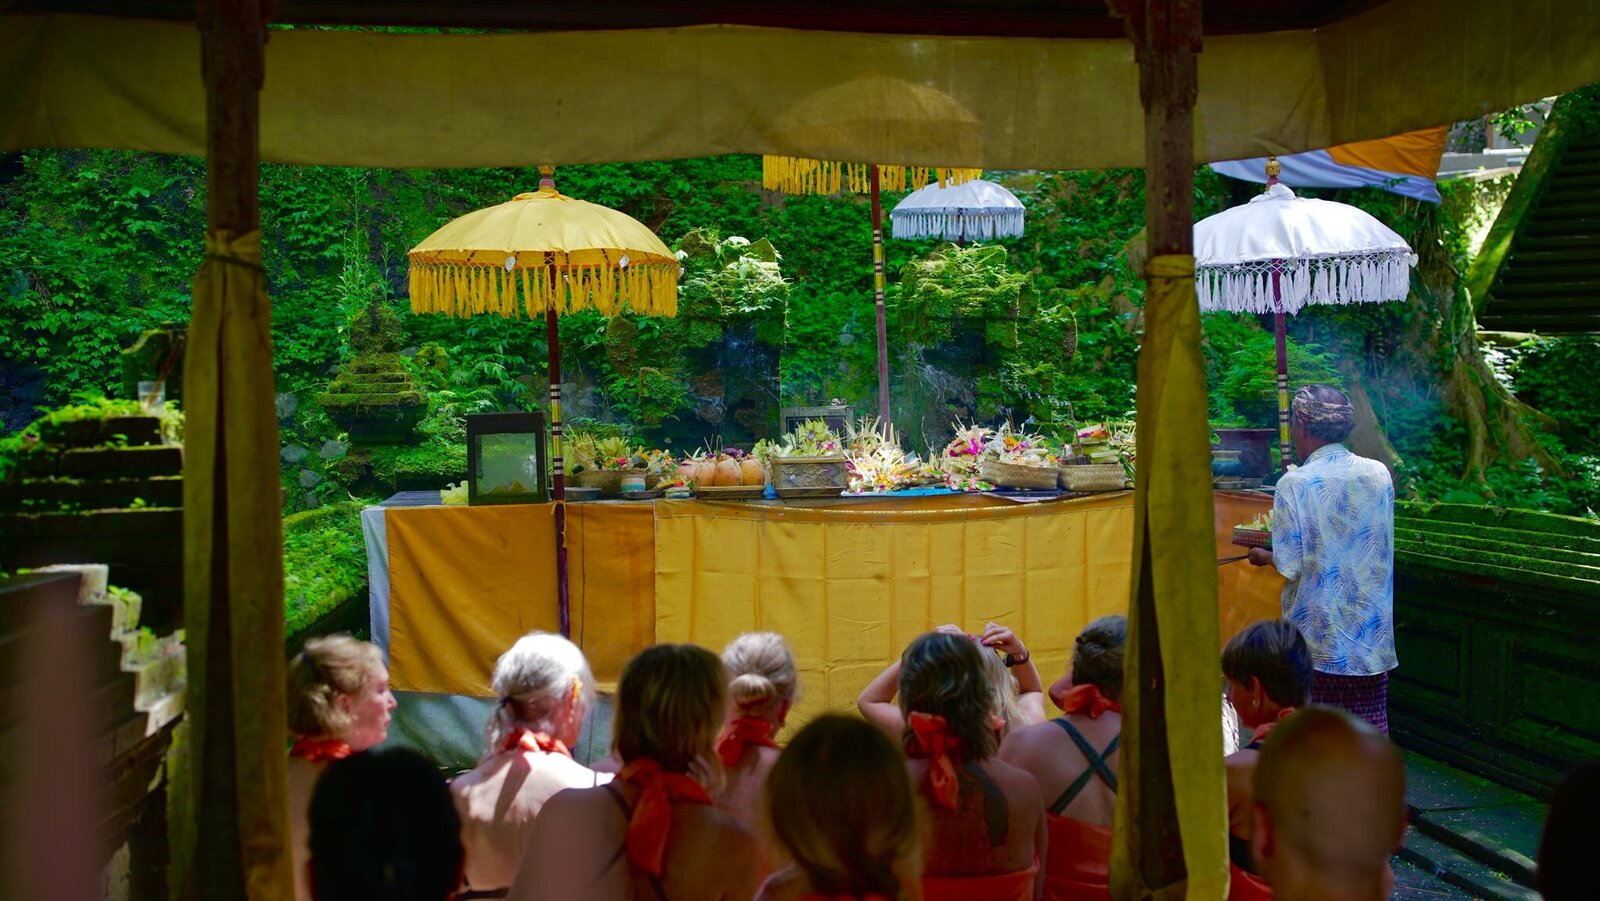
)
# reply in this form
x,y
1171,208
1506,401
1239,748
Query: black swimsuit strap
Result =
x,y
1097,766
1240,853
627,816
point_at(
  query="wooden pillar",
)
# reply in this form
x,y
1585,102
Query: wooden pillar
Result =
x,y
228,826
1166,40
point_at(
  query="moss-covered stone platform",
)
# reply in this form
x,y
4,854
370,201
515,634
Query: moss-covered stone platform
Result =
x,y
1497,625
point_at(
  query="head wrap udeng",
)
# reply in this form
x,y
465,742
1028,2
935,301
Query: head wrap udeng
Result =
x,y
1322,418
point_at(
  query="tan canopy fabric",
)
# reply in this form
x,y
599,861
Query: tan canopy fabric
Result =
x,y
368,99
400,100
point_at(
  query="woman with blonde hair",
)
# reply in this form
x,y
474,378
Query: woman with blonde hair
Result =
x,y
762,689
1074,758
545,688
339,704
1014,684
984,818
839,802
652,834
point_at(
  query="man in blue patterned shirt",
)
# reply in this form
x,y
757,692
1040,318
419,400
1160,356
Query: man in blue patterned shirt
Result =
x,y
1333,541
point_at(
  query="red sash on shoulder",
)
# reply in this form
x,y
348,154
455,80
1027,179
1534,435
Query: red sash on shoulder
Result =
x,y
1088,701
931,740
318,750
524,739
744,732
651,824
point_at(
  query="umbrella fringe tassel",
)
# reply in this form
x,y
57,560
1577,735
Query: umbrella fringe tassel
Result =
x,y
1247,287
956,226
799,175
476,290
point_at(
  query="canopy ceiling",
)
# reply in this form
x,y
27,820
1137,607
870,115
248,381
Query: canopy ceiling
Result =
x,y
1336,72
995,18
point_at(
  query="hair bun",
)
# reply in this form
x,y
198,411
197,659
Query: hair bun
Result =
x,y
752,690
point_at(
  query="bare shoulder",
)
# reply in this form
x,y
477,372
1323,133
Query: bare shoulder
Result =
x,y
1240,767
575,774
1026,743
577,804
1018,784
717,825
464,781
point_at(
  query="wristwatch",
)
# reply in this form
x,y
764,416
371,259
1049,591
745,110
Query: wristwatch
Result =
x,y
1013,660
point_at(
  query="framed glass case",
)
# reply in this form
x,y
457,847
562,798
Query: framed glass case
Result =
x,y
506,458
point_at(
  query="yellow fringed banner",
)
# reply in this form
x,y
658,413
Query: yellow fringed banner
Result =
x,y
454,290
798,175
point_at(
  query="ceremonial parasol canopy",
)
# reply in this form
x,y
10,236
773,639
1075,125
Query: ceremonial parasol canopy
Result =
x,y
1280,253
544,253
975,210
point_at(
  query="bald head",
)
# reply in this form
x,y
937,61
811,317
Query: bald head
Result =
x,y
1330,803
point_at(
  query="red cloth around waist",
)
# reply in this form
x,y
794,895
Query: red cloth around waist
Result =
x,y
1078,863
1016,886
1244,887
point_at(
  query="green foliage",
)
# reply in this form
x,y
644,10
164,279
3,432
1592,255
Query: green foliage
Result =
x,y
392,464
1546,373
95,247
98,246
374,329
324,563
646,365
970,285
729,277
1242,370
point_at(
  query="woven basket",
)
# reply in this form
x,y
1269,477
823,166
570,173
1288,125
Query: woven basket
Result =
x,y
1013,475
1093,477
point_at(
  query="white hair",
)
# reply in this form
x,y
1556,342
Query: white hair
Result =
x,y
533,681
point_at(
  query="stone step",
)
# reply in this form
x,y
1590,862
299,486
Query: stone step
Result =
x,y
1481,831
1455,869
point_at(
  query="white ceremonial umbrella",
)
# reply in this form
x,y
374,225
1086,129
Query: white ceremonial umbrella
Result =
x,y
974,210
1279,253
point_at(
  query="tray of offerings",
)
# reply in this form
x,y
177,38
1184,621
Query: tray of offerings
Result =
x,y
1256,533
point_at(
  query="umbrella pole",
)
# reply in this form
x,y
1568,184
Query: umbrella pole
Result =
x,y
559,480
877,294
1281,340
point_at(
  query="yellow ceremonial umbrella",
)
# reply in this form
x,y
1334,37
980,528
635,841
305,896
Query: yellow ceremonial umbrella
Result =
x,y
545,254
865,113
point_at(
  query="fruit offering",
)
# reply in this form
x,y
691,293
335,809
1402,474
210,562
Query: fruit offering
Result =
x,y
729,468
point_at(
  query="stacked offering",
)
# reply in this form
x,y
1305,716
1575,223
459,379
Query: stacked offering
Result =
x,y
1100,461
1255,533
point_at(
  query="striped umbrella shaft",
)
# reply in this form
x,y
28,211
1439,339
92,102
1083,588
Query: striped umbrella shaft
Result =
x,y
877,292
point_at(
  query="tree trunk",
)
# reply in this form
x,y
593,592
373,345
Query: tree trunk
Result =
x,y
1431,360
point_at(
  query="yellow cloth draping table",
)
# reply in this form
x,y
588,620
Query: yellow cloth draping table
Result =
x,y
465,582
848,582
